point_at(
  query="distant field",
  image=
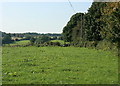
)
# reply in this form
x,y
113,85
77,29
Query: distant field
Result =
x,y
24,42
60,41
58,65
20,42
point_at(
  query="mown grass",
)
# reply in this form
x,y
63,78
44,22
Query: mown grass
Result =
x,y
58,65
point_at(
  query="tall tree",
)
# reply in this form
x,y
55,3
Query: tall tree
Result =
x,y
73,28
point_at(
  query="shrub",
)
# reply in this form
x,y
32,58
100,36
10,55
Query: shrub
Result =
x,y
32,40
42,40
53,43
107,45
7,39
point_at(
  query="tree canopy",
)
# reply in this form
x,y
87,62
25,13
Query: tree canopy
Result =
x,y
6,40
101,22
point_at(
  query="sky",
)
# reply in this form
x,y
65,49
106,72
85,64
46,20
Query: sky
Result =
x,y
40,17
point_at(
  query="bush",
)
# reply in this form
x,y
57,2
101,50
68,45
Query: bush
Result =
x,y
27,37
7,39
107,45
53,43
32,40
42,40
91,44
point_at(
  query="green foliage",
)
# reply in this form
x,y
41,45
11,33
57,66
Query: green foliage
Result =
x,y
107,45
101,22
42,39
23,42
53,43
27,37
32,40
68,33
111,28
93,23
60,41
58,65
7,39
84,26
53,38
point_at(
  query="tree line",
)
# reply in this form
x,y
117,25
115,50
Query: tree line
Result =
x,y
35,38
100,23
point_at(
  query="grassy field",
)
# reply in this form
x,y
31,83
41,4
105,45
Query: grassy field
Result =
x,y
23,42
58,65
60,41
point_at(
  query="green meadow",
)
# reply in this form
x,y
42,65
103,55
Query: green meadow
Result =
x,y
60,41
23,42
85,49
58,65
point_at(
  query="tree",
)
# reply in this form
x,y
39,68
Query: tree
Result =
x,y
101,22
111,18
93,21
73,28
32,40
42,39
7,39
27,37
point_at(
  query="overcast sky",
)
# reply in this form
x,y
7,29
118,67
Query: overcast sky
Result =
x,y
41,17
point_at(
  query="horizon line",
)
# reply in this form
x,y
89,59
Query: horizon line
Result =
x,y
33,32
59,0
46,0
